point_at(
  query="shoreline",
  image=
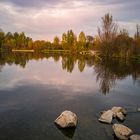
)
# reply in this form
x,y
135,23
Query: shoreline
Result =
x,y
23,50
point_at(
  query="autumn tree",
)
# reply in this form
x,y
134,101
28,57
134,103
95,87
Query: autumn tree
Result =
x,y
82,37
82,41
123,44
137,40
1,37
48,45
107,33
64,41
30,43
108,30
72,41
56,42
137,34
39,45
8,42
69,40
90,42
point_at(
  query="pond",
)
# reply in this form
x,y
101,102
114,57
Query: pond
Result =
x,y
36,88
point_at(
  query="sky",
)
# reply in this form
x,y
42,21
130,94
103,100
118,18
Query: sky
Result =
x,y
44,19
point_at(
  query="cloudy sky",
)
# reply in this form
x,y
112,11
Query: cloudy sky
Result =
x,y
44,19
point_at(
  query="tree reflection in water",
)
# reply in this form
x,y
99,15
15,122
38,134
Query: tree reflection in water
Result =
x,y
107,71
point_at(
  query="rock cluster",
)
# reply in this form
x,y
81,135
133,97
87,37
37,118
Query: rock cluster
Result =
x,y
115,112
122,132
69,119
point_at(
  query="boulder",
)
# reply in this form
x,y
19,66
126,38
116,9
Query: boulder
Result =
x,y
106,117
120,116
66,119
117,110
122,132
135,137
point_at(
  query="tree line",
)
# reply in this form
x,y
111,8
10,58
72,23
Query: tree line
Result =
x,y
69,41
110,41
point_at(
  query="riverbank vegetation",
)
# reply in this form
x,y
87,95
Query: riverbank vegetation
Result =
x,y
114,43
110,41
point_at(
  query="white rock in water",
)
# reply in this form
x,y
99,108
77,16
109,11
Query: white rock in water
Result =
x,y
135,137
106,117
138,109
67,119
122,132
120,116
117,110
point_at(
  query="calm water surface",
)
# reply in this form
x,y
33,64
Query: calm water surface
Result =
x,y
34,90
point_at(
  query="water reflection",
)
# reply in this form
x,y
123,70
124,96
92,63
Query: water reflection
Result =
x,y
68,60
1,68
107,72
68,132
